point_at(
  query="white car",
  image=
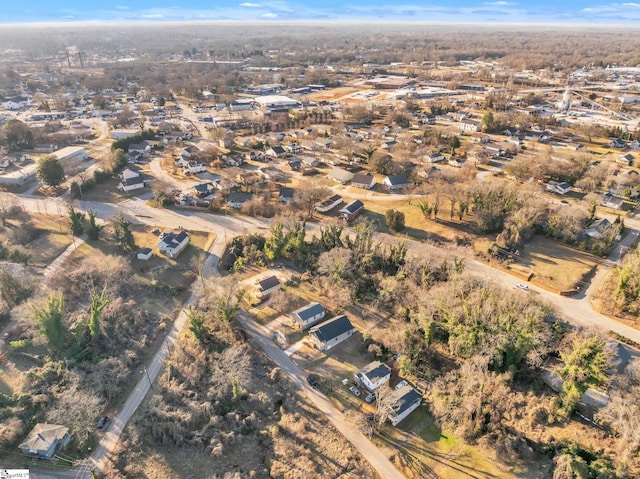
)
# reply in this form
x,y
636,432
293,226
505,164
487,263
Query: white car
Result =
x,y
523,286
370,398
355,391
402,384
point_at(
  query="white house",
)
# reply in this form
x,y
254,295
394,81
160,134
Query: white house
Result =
x,y
363,181
267,286
611,201
238,199
560,188
468,124
403,402
144,254
626,160
373,375
193,167
339,175
173,244
45,440
308,315
16,103
331,333
328,204
395,182
130,179
434,157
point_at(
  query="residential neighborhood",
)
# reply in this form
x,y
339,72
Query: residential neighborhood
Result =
x,y
367,252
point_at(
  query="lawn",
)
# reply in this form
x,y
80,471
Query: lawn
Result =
x,y
554,265
51,239
420,449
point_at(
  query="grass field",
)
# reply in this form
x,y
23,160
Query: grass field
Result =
x,y
52,238
554,265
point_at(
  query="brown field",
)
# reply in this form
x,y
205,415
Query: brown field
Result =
x,y
554,265
52,239
332,94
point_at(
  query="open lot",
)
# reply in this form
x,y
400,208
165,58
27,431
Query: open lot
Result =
x,y
554,265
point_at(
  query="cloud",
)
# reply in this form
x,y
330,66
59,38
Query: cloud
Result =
x,y
499,3
269,15
122,7
250,5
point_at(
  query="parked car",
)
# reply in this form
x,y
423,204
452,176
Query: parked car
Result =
x,y
312,380
103,421
6,335
402,384
355,391
523,286
370,416
370,398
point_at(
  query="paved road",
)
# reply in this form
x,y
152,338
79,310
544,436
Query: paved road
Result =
x,y
376,458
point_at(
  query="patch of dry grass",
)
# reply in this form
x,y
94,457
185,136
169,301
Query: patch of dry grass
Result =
x,y
554,265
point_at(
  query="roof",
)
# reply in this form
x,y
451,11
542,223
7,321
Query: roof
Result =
x,y
278,150
309,311
375,371
340,175
333,328
268,283
286,192
173,240
144,250
620,355
396,180
239,197
403,399
136,180
352,207
362,179
42,436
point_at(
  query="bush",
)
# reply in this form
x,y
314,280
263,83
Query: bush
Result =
x,y
100,176
395,220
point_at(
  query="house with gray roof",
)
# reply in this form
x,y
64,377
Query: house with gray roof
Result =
x,y
45,440
403,402
308,315
373,375
331,333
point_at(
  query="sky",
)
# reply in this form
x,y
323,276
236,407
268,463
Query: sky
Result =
x,y
464,11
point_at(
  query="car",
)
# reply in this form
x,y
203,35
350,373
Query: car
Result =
x,y
312,380
6,335
370,398
103,421
395,357
523,286
355,391
370,416
402,384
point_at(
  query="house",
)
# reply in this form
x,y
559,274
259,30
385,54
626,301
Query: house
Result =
x,y
144,254
626,160
434,157
294,148
173,244
328,204
142,147
363,181
351,211
247,178
308,315
286,195
331,333
130,179
340,176
45,440
310,161
373,375
611,201
193,167
276,151
402,402
467,124
16,103
559,188
598,228
224,185
395,182
295,164
238,199
455,161
618,143
267,286
203,189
